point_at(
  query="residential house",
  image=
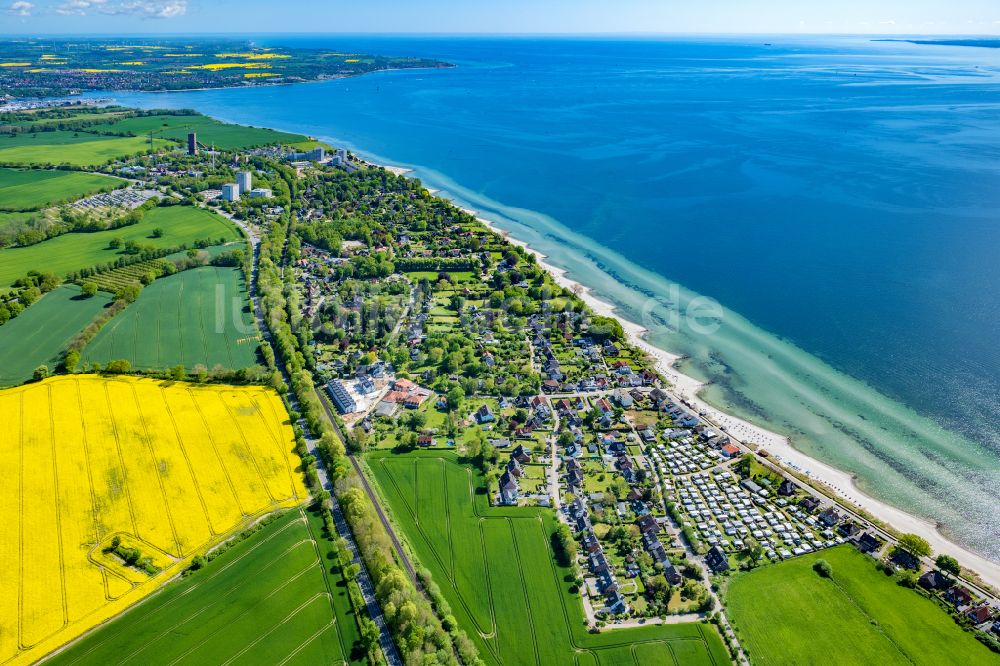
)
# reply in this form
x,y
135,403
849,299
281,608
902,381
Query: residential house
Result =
x,y
648,525
959,596
830,517
589,543
809,503
508,489
979,614
934,580
787,488
616,603
716,559
849,529
521,455
485,415
867,543
627,468
514,468
729,451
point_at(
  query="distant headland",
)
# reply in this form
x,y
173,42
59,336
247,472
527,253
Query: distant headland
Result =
x,y
981,43
56,67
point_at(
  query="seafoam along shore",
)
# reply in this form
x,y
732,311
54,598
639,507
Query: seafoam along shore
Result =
x,y
778,446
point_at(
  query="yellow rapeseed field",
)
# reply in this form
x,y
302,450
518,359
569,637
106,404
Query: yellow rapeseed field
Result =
x,y
171,468
253,56
215,66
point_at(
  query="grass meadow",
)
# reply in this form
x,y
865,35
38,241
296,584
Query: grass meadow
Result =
x,y
269,599
15,218
787,614
39,334
70,148
32,189
210,131
71,252
497,570
199,316
172,468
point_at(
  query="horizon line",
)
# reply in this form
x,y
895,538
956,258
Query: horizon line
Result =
x,y
633,34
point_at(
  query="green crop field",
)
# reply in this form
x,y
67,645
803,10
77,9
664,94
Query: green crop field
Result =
x,y
73,148
199,316
67,120
497,570
40,333
31,189
787,614
181,225
210,131
269,599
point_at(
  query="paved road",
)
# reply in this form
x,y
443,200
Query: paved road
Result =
x,y
367,590
389,649
407,564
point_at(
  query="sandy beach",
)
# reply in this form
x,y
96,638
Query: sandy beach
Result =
x,y
397,170
779,447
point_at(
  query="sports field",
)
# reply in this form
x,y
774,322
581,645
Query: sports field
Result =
x,y
170,468
72,148
197,316
31,189
70,252
210,131
497,570
40,333
270,599
787,614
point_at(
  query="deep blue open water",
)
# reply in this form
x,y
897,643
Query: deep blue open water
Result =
x,y
839,197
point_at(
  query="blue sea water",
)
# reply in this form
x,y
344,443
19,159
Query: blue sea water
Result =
x,y
838,196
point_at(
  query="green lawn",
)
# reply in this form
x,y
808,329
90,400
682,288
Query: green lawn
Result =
x,y
787,614
40,333
31,189
209,131
496,568
71,252
199,316
270,599
72,148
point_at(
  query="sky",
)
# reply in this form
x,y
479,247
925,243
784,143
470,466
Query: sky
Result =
x,y
910,17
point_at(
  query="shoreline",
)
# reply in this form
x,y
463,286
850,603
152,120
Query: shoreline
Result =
x,y
778,446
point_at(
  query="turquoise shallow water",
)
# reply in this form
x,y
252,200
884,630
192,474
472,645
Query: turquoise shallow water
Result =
x,y
841,195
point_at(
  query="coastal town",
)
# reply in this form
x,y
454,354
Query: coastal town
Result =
x,y
447,392
559,409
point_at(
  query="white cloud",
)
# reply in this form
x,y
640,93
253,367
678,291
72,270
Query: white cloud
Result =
x,y
78,7
20,8
140,8
149,8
